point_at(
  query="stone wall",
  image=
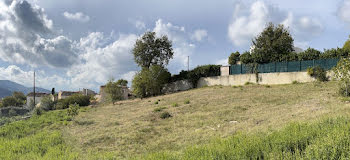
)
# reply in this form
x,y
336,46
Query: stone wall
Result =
x,y
177,86
263,78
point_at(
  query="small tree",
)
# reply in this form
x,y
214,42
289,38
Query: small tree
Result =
x,y
234,58
122,82
246,58
346,46
9,101
150,82
342,73
309,54
272,44
114,91
150,50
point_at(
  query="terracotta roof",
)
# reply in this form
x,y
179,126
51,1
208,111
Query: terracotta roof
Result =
x,y
37,94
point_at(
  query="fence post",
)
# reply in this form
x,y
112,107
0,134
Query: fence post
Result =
x,y
241,68
287,66
313,63
275,67
299,65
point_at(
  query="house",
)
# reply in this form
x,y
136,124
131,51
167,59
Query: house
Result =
x,y
88,92
65,94
38,97
103,94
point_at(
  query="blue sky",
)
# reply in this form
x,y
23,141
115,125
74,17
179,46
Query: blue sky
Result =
x,y
76,44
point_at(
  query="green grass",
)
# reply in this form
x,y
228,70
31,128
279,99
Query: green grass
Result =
x,y
280,122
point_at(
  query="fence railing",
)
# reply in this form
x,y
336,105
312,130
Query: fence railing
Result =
x,y
292,66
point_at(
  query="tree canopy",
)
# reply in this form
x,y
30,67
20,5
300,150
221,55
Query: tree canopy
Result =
x,y
346,46
151,50
273,44
122,82
234,58
114,91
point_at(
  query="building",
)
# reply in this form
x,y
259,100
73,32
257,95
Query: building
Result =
x,y
38,97
65,94
103,95
88,92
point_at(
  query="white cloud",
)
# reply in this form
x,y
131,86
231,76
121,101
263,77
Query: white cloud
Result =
x,y
344,11
248,22
78,16
140,25
199,35
223,62
27,37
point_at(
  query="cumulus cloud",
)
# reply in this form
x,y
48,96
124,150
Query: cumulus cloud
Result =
x,y
344,11
78,16
248,22
181,43
199,35
140,25
27,37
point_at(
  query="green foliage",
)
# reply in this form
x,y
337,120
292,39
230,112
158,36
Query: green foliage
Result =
x,y
114,90
150,82
175,105
12,112
156,102
334,53
73,110
272,44
19,96
122,82
150,50
9,101
159,109
234,58
246,58
1,104
33,138
346,46
327,139
187,101
165,115
79,99
17,99
342,73
318,73
309,54
38,111
47,104
194,75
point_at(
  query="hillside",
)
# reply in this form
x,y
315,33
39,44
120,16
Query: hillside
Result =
x,y
213,114
7,87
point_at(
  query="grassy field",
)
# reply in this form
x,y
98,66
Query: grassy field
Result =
x,y
205,123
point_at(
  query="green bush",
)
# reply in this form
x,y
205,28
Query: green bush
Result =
x,y
318,73
73,110
79,99
159,109
9,101
187,101
165,115
47,104
309,54
194,75
12,112
246,58
175,105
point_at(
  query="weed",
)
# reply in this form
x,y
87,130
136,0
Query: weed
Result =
x,y
295,82
248,83
187,101
159,109
156,102
175,105
165,115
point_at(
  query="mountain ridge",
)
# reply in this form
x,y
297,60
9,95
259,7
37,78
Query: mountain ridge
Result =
x,y
7,87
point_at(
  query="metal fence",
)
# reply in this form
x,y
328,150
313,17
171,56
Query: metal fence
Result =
x,y
293,66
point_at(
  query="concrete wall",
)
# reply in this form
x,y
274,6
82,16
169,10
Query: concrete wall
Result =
x,y
263,78
177,86
225,70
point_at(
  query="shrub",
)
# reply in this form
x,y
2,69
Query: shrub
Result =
x,y
175,105
150,82
38,111
248,83
9,101
114,90
187,101
73,110
79,99
342,73
194,75
295,82
156,102
318,73
344,90
47,104
12,112
165,115
159,109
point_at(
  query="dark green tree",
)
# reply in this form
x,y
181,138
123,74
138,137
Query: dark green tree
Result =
x,y
246,58
114,91
272,44
9,101
150,81
150,50
122,82
309,54
346,46
234,58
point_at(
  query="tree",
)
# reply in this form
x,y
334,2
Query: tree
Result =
x,y
342,73
150,81
309,54
346,46
122,82
234,58
150,50
246,58
272,44
9,101
114,91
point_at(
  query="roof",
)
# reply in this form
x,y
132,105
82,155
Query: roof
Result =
x,y
68,93
37,94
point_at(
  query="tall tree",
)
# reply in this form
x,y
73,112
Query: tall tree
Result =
x,y
122,82
151,50
234,58
274,43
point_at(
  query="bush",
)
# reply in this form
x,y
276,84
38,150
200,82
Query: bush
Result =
x,y
187,101
150,82
165,115
12,112
344,90
79,99
318,73
114,90
47,103
194,75
38,111
73,110
9,101
175,105
159,109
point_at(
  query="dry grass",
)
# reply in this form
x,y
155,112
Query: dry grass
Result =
x,y
133,128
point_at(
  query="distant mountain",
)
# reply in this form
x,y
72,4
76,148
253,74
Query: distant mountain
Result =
x,y
7,87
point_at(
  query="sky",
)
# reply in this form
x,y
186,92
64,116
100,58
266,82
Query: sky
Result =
x,y
74,44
